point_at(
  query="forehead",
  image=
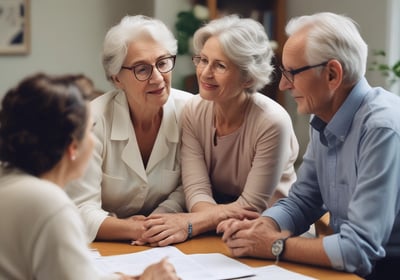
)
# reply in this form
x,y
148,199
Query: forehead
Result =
x,y
144,48
294,49
213,48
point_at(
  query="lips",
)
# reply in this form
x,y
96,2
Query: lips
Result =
x,y
208,86
157,91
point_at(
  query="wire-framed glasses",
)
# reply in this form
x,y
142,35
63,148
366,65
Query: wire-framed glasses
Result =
x,y
144,71
289,74
201,62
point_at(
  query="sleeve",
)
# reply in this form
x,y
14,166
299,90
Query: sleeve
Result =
x,y
304,204
175,203
86,192
276,148
195,178
61,250
373,207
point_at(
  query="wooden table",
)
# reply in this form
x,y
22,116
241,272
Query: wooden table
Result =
x,y
213,244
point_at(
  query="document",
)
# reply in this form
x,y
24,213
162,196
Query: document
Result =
x,y
188,266
276,272
211,266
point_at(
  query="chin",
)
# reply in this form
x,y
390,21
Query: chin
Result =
x,y
206,96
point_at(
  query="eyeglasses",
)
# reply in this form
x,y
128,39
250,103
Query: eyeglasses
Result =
x,y
144,71
289,74
201,62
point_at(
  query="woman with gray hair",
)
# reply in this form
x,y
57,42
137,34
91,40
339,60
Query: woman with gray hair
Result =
x,y
238,146
135,169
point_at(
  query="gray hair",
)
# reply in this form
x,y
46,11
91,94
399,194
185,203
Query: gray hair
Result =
x,y
245,43
333,36
119,37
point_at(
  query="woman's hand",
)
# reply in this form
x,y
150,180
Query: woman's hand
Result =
x,y
233,210
169,228
114,228
162,270
165,229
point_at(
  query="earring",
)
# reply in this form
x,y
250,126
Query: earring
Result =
x,y
73,157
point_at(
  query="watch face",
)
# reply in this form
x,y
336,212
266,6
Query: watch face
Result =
x,y
277,247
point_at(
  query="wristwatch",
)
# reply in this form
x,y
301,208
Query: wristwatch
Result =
x,y
278,246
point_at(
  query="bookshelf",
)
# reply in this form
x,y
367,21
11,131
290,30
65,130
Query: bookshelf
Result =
x,y
271,13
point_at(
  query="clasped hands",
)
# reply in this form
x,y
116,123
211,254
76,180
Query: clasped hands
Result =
x,y
250,237
163,229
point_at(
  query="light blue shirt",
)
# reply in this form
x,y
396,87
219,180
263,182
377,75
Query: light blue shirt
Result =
x,y
351,168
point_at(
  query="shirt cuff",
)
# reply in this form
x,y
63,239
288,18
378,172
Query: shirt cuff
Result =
x,y
332,249
283,220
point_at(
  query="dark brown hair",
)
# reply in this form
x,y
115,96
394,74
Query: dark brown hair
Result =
x,y
39,119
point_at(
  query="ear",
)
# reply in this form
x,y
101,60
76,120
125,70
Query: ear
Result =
x,y
335,74
116,81
72,150
248,83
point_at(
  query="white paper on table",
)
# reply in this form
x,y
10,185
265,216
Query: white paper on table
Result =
x,y
188,267
222,267
276,272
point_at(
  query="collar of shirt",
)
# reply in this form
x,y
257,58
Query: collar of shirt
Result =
x,y
339,125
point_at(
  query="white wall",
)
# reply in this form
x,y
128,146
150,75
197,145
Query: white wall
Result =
x,y
67,36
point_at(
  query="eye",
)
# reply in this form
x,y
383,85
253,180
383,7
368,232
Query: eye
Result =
x,y
220,66
203,61
162,63
141,69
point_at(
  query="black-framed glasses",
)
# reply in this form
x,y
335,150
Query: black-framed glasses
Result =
x,y
289,74
201,62
144,71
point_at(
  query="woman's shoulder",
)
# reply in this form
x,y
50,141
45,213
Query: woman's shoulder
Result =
x,y
267,111
34,192
181,94
104,107
180,97
268,106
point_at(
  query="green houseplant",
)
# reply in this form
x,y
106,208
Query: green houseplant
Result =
x,y
187,23
392,72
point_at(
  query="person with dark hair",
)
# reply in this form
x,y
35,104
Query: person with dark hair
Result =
x,y
45,142
351,167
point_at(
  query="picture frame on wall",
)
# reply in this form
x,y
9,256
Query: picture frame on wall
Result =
x,y
14,27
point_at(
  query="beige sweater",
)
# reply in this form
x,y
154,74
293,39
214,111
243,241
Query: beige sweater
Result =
x,y
245,166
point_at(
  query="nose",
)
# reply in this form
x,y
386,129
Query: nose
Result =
x,y
284,84
207,70
156,75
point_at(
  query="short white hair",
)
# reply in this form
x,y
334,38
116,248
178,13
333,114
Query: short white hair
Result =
x,y
131,28
333,36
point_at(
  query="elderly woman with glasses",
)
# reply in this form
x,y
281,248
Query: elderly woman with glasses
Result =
x,y
135,169
239,146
